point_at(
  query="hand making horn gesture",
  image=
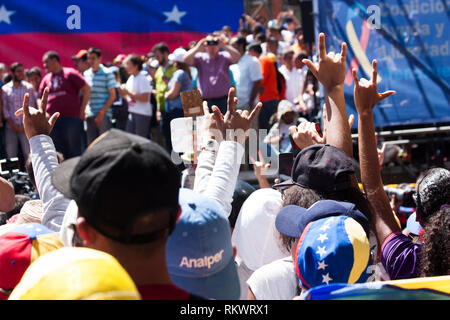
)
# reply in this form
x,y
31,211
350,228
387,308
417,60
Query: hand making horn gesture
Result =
x,y
37,121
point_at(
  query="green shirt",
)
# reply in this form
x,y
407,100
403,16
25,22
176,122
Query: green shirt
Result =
x,y
161,86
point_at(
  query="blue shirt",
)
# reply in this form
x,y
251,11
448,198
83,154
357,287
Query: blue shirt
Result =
x,y
183,78
100,82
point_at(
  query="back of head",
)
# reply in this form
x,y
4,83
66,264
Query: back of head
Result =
x,y
433,191
76,274
242,191
125,186
435,251
199,251
20,201
255,235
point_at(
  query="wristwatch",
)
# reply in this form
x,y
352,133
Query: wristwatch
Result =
x,y
210,145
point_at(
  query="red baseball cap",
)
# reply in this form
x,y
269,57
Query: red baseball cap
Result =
x,y
80,54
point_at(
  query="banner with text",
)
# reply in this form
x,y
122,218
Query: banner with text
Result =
x,y
410,40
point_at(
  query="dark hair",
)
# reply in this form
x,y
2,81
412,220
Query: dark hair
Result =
x,y
241,192
256,47
261,37
20,201
435,185
14,66
52,55
298,29
161,47
34,70
305,197
30,171
136,60
298,196
301,55
434,255
96,51
257,28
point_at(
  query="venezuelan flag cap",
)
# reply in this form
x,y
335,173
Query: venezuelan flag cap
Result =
x,y
20,245
330,250
333,242
76,274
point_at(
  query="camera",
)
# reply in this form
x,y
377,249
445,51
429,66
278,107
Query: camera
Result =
x,y
404,195
10,170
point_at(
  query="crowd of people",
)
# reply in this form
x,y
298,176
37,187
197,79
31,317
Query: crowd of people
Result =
x,y
116,219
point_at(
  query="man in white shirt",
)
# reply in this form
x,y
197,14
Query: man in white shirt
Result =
x,y
247,74
294,77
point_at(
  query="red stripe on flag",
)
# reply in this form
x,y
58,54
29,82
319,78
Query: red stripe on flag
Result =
x,y
28,48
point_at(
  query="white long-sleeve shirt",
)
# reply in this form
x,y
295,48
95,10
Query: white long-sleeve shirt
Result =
x,y
44,161
216,177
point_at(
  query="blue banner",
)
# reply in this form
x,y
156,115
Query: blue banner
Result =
x,y
409,39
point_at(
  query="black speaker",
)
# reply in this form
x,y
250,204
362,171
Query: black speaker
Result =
x,y
306,8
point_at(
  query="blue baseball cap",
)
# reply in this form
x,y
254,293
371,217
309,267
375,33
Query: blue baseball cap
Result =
x,y
199,251
292,220
332,250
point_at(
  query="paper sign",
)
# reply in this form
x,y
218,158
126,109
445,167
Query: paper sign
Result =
x,y
192,102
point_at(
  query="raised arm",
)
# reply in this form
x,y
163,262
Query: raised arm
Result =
x,y
7,198
219,183
235,55
189,57
331,74
44,160
366,97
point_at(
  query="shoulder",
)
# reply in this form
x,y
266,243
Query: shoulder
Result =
x,y
27,85
7,86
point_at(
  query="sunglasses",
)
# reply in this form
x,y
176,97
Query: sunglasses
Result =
x,y
212,43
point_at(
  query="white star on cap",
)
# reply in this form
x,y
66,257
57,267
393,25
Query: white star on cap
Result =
x,y
324,227
321,251
174,15
5,15
326,278
322,265
322,237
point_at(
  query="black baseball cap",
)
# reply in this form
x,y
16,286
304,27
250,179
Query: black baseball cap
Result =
x,y
321,167
125,186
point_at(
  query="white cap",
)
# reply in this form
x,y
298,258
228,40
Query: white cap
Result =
x,y
154,64
178,55
255,236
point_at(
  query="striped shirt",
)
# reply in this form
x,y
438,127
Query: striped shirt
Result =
x,y
100,82
13,98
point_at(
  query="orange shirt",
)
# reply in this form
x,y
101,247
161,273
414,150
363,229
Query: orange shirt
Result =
x,y
269,81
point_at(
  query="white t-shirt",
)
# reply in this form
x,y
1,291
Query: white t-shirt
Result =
x,y
275,281
294,82
245,73
139,85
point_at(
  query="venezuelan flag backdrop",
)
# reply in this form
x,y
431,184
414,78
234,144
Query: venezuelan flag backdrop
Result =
x,y
409,38
30,28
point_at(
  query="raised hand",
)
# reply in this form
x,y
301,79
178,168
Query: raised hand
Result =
x,y
210,123
305,135
259,167
366,92
331,69
236,123
37,121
